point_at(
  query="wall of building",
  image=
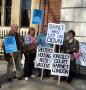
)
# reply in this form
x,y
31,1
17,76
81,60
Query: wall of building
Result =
x,y
70,12
52,11
73,15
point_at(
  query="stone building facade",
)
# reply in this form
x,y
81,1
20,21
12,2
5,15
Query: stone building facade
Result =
x,y
73,16
70,12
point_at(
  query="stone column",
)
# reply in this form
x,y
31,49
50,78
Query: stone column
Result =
x,y
3,13
16,12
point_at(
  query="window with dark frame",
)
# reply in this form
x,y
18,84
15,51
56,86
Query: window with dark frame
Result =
x,y
8,12
0,10
25,15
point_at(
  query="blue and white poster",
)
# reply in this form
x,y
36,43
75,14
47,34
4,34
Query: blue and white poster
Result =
x,y
10,44
37,16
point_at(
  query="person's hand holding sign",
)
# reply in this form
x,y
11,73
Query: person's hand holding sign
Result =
x,y
11,54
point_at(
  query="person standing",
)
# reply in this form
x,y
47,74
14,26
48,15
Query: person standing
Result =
x,y
30,44
71,46
41,41
16,55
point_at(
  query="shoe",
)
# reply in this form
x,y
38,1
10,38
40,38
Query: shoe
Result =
x,y
14,77
39,74
63,78
0,86
46,75
33,76
55,78
69,80
9,79
20,78
26,78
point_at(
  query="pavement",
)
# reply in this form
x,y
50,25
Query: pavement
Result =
x,y
37,84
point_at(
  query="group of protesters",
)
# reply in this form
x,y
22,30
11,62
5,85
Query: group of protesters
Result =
x,y
28,47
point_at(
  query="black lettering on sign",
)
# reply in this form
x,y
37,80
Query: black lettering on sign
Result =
x,y
64,61
53,40
41,55
51,35
50,40
43,65
47,50
57,26
63,66
60,70
46,55
40,49
44,60
55,32
60,36
62,56
57,60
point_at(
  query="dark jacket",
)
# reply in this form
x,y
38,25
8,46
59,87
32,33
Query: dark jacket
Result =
x,y
71,48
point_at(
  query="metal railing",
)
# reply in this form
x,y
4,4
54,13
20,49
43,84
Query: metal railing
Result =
x,y
5,30
23,32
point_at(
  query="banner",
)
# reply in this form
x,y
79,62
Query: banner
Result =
x,y
10,44
37,16
60,64
55,34
43,57
82,58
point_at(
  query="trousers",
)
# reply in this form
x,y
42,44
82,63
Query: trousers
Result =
x,y
10,65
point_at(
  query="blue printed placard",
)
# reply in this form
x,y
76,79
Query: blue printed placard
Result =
x,y
10,44
37,16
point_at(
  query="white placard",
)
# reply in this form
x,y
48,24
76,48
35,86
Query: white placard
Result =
x,y
43,57
60,64
55,34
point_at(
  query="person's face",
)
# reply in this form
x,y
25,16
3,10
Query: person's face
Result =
x,y
14,28
32,32
70,36
44,30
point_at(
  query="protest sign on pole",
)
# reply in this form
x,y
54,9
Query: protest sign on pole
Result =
x,y
55,34
43,57
60,64
10,44
37,16
10,47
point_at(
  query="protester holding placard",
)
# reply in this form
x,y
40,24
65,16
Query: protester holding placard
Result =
x,y
42,42
42,38
71,46
16,55
30,44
